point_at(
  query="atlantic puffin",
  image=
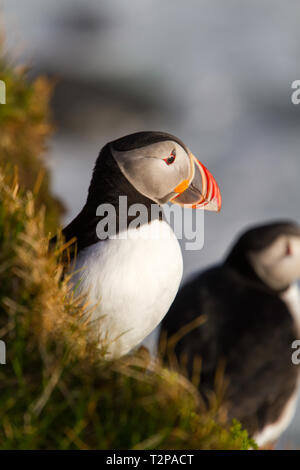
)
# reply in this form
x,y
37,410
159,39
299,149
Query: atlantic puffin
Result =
x,y
250,308
130,278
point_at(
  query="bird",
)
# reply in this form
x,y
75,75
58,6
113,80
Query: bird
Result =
x,y
129,273
250,310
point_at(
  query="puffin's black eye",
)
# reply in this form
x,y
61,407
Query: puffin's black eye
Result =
x,y
171,159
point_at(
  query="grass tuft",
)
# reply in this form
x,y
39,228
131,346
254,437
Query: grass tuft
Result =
x,y
25,129
57,390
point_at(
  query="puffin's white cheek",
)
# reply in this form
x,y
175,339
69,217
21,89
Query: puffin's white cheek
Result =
x,y
155,179
295,266
146,176
292,263
159,180
286,271
295,246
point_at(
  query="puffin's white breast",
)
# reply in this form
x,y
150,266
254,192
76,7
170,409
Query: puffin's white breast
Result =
x,y
292,299
273,431
130,283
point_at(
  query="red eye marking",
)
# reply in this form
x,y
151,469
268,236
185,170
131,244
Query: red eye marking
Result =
x,y
289,251
171,159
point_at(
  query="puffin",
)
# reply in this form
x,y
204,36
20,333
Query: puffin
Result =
x,y
241,318
129,272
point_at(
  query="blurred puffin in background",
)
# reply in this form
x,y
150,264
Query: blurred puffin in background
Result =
x,y
131,278
251,316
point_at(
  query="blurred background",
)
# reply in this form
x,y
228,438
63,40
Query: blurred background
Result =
x,y
216,74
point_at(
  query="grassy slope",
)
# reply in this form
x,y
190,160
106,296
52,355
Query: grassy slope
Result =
x,y
24,128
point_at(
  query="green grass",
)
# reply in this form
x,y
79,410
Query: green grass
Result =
x,y
25,128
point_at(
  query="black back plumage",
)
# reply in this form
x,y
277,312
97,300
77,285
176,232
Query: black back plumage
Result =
x,y
248,329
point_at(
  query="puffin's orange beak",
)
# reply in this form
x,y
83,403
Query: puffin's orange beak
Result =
x,y
200,190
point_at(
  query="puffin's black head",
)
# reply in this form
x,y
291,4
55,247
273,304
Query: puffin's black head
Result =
x,y
146,167
157,166
270,253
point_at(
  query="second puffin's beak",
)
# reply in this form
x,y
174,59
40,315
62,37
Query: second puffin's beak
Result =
x,y
200,191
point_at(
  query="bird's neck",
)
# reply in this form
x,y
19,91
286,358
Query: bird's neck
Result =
x,y
109,191
240,263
